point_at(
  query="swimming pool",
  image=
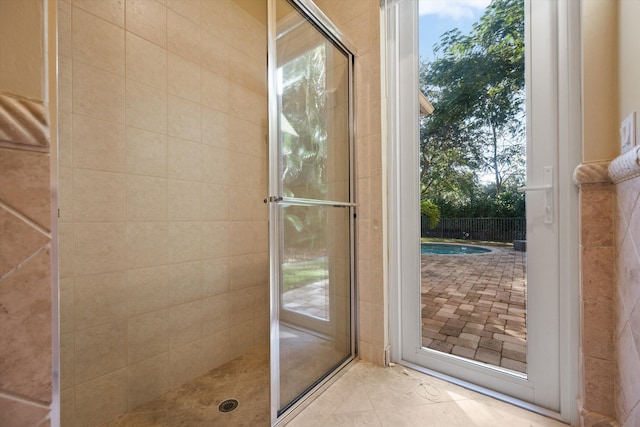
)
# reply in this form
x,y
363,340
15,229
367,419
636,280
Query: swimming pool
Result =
x,y
451,249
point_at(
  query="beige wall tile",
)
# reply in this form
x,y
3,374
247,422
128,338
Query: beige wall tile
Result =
x,y
100,350
148,335
146,62
184,78
215,53
67,407
244,166
215,203
189,9
65,46
185,241
185,323
247,104
147,19
216,312
147,198
100,299
185,363
89,84
98,196
242,342
148,379
97,42
215,239
146,153
241,271
65,194
215,165
66,250
111,10
183,38
184,119
215,91
146,107
99,247
185,158
147,244
67,361
241,200
91,407
260,237
98,144
216,349
214,16
186,200
65,132
242,301
185,282
241,241
215,276
65,84
238,30
67,309
148,289
216,128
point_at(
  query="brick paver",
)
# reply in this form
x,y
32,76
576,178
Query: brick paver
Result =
x,y
474,306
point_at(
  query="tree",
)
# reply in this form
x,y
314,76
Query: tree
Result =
x,y
476,84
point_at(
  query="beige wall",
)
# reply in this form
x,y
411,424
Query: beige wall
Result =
x,y
163,168
22,48
600,80
360,22
629,61
25,219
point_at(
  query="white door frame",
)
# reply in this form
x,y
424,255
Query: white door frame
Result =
x,y
401,68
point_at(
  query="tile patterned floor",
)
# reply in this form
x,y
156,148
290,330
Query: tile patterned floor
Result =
x,y
368,395
195,404
474,306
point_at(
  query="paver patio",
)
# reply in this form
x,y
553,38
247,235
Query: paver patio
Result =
x,y
474,306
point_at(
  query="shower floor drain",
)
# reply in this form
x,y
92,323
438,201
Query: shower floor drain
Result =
x,y
228,405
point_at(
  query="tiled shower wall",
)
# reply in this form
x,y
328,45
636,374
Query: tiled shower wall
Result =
x,y
359,20
163,168
627,331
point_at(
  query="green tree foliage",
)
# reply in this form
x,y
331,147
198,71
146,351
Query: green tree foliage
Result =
x,y
476,84
484,203
431,211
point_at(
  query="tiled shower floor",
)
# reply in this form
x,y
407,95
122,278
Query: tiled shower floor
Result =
x,y
195,404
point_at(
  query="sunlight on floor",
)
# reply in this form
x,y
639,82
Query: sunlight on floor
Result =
x,y
368,395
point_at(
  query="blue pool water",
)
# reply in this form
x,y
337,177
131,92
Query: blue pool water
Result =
x,y
451,249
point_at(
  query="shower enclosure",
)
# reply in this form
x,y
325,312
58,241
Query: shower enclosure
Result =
x,y
175,276
311,202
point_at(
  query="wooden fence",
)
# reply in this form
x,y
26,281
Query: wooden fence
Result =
x,y
486,229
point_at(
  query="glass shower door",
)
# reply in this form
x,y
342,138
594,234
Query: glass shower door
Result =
x,y
311,204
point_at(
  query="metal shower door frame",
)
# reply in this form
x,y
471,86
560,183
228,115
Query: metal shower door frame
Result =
x,y
312,13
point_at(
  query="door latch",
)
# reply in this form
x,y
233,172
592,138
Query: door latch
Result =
x,y
547,187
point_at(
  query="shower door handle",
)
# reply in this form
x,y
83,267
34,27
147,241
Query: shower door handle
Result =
x,y
272,199
547,187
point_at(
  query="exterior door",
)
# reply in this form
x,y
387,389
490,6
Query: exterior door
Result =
x,y
543,384
311,204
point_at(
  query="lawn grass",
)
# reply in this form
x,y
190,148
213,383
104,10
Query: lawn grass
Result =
x,y
300,273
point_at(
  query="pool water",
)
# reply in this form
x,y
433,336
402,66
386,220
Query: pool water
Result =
x,y
451,249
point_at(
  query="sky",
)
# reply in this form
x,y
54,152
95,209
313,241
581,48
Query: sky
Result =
x,y
440,16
